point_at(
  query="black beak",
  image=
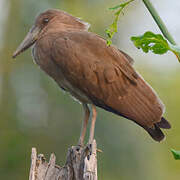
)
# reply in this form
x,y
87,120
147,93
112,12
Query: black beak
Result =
x,y
28,41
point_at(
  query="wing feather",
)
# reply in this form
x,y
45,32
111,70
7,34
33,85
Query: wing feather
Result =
x,y
105,75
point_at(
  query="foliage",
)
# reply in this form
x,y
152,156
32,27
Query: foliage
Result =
x,y
151,42
112,29
148,41
176,154
155,43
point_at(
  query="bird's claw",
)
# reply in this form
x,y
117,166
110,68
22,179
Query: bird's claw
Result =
x,y
89,150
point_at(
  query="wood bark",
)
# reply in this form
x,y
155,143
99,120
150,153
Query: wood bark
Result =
x,y
81,164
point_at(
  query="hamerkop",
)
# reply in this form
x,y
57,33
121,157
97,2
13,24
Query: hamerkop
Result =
x,y
95,74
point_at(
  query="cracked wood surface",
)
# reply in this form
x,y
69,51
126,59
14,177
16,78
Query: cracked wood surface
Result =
x,y
81,164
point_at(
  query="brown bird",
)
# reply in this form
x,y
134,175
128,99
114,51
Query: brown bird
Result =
x,y
96,74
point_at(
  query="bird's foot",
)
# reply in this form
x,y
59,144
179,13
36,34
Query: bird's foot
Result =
x,y
80,143
89,149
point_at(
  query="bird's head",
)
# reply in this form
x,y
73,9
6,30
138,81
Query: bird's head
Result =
x,y
50,19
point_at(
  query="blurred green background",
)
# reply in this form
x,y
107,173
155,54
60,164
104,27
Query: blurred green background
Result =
x,y
35,113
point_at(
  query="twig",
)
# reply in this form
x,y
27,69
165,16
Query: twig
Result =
x,y
159,21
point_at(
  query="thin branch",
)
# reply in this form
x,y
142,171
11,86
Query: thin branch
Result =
x,y
159,21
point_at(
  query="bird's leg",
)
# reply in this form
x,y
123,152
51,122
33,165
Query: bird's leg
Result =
x,y
93,121
84,124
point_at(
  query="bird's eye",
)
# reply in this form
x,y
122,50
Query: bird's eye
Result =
x,y
46,20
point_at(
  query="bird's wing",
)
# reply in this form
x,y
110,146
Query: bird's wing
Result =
x,y
128,58
106,76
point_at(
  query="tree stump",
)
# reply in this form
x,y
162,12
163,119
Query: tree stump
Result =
x,y
81,164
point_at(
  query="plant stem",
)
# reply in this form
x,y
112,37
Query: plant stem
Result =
x,y
159,21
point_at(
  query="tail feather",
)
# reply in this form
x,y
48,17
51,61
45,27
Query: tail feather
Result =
x,y
163,124
155,133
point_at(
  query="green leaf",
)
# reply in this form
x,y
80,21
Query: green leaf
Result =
x,y
123,5
176,154
155,43
116,7
151,42
109,42
112,29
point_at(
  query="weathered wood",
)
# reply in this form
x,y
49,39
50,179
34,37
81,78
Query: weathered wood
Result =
x,y
81,164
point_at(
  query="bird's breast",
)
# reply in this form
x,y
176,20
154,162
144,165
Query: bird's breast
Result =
x,y
44,61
